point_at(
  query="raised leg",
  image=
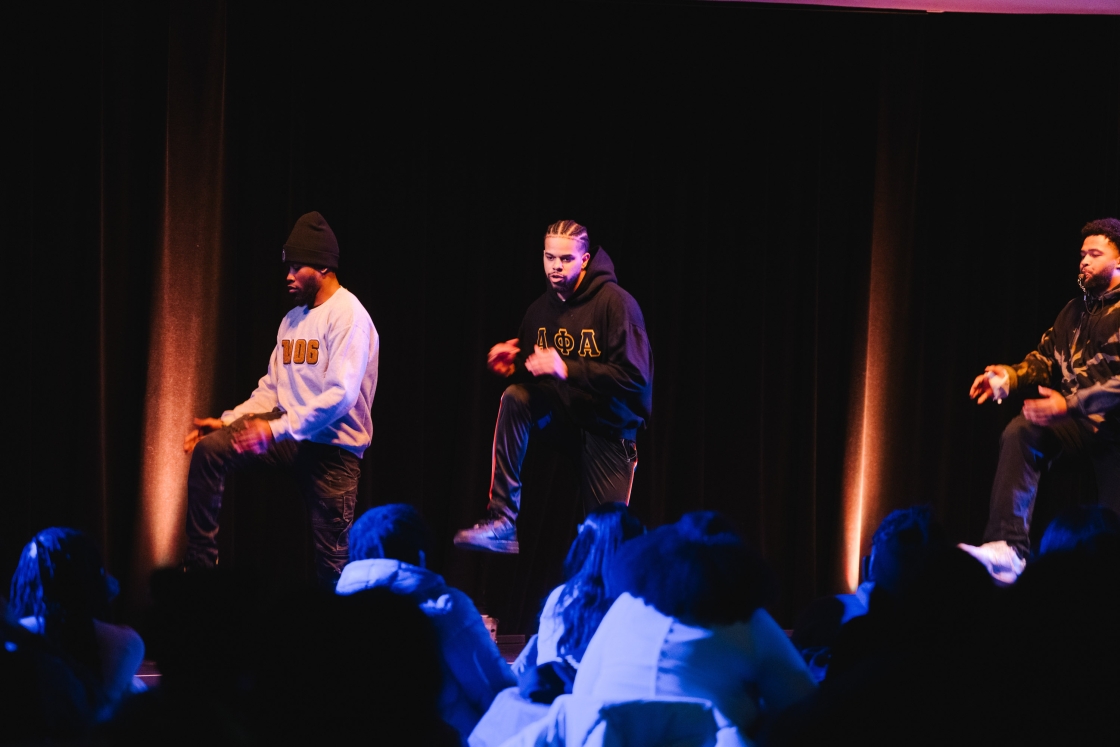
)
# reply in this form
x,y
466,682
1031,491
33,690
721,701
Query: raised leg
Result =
x,y
522,409
212,459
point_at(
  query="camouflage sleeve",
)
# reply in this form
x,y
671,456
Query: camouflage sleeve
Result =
x,y
1036,367
1104,370
1099,398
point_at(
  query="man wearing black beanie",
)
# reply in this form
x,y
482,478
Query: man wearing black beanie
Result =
x,y
309,414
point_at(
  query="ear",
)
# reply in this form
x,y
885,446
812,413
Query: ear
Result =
x,y
586,258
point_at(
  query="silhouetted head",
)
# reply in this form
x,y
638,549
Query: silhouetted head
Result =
x,y
902,547
60,576
698,570
1080,527
396,531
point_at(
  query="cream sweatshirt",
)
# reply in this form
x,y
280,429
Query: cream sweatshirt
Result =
x,y
322,375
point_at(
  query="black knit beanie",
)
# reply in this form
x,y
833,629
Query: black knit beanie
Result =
x,y
312,243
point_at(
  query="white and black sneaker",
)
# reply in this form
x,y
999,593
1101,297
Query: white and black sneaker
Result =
x,y
495,534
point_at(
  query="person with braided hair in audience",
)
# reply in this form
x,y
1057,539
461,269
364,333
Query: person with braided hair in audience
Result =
x,y
580,368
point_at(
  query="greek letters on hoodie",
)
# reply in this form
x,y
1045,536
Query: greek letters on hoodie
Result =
x,y
601,335
322,375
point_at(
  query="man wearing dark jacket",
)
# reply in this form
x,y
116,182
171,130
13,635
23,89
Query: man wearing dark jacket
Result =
x,y
588,379
1080,413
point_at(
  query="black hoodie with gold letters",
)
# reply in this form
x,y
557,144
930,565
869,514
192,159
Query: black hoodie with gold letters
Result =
x,y
601,335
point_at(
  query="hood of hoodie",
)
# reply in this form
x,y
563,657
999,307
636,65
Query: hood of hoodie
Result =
x,y
398,577
599,272
1094,303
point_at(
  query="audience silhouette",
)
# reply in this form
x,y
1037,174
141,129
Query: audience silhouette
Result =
x,y
388,550
61,591
653,637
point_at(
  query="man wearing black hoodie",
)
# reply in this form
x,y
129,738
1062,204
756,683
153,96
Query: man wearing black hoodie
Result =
x,y
588,379
1076,413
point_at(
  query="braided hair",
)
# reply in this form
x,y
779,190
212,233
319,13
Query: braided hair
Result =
x,y
569,229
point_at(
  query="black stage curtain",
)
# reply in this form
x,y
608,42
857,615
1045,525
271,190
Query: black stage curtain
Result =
x,y
772,183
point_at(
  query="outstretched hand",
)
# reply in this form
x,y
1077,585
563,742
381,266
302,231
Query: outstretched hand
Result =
x,y
501,357
981,390
202,426
546,362
1051,409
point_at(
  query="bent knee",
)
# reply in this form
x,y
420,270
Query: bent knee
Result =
x,y
213,445
1021,430
515,395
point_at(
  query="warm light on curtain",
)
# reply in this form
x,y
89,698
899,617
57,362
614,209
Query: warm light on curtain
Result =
x,y
872,435
864,473
184,314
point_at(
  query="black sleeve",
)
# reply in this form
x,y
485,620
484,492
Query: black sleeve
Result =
x,y
624,368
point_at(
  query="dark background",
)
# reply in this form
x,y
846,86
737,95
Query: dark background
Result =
x,y
747,168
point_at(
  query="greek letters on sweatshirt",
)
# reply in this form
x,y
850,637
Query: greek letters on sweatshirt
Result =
x,y
322,375
601,335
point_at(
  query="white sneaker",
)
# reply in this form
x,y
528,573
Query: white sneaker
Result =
x,y
999,558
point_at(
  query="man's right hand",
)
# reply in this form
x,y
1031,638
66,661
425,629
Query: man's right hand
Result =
x,y
981,390
501,357
202,427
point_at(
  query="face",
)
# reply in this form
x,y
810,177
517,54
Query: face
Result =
x,y
304,282
1100,263
564,260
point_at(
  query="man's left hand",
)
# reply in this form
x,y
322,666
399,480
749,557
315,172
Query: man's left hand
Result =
x,y
546,362
255,438
1050,409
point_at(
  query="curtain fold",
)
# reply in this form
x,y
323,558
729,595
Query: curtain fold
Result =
x,y
186,342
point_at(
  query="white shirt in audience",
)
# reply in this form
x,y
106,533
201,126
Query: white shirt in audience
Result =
x,y
551,628
639,653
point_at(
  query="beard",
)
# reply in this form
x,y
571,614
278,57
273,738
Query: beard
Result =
x,y
566,286
1097,283
305,296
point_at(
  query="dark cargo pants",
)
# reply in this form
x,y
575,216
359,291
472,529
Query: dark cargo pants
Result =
x,y
327,477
